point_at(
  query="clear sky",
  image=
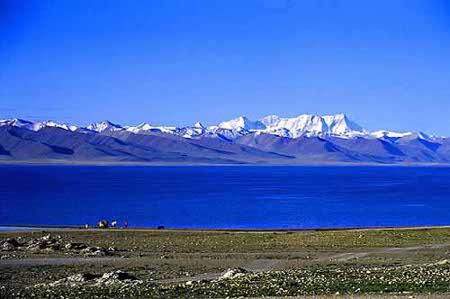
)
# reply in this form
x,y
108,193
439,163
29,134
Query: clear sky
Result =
x,y
386,63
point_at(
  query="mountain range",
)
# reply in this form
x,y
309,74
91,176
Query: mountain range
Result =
x,y
305,139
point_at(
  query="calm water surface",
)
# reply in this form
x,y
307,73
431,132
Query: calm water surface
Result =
x,y
225,197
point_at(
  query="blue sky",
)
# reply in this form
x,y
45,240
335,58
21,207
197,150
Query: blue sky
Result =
x,y
384,63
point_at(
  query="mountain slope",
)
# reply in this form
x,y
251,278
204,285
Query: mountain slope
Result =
x,y
304,139
304,148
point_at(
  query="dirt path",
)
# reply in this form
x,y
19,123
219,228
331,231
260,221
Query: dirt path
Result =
x,y
58,261
256,265
341,257
252,265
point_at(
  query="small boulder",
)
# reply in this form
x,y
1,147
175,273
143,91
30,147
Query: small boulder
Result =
x,y
47,242
46,238
75,280
94,251
9,245
111,278
75,246
233,273
117,277
443,262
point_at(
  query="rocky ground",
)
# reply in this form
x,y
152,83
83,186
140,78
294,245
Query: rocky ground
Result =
x,y
389,263
50,244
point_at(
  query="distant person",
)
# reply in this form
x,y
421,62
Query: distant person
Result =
x,y
114,223
125,224
86,225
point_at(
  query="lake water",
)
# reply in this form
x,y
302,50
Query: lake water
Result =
x,y
225,197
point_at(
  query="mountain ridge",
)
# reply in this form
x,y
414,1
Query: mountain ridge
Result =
x,y
305,139
293,127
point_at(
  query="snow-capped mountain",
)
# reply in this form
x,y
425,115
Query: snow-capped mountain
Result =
x,y
35,126
191,132
145,127
104,126
312,125
242,122
302,125
20,123
308,125
269,140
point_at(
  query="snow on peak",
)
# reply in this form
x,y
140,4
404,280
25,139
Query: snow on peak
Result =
x,y
304,124
191,132
242,122
52,124
35,126
104,126
17,122
270,120
422,135
301,125
338,125
141,127
199,125
419,135
145,127
311,125
389,134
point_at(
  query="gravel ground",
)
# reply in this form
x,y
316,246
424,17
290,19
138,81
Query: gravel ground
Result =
x,y
190,264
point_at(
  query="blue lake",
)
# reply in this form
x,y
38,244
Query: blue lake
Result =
x,y
225,197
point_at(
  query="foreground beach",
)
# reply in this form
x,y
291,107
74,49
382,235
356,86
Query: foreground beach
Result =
x,y
144,263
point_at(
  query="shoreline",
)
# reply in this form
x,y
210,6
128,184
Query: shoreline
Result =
x,y
159,164
24,227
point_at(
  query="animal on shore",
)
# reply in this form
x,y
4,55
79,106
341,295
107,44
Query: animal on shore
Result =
x,y
103,224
